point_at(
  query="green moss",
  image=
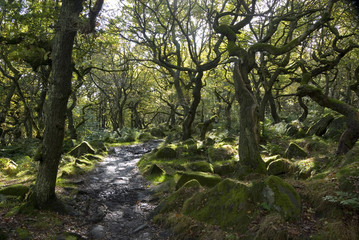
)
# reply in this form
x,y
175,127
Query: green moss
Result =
x,y
280,166
295,151
282,197
200,166
15,190
225,205
166,152
348,177
225,168
175,201
205,179
221,152
22,233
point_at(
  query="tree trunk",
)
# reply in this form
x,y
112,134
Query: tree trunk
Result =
x,y
59,92
5,110
187,123
249,156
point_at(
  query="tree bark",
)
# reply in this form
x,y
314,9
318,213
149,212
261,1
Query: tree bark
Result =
x,y
59,92
187,123
249,155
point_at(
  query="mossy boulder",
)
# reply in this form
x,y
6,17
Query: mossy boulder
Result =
x,y
281,197
268,160
280,166
348,177
304,168
154,170
166,152
294,151
320,127
156,132
145,137
336,128
82,149
292,130
225,168
225,205
205,179
222,152
190,141
17,190
200,166
175,201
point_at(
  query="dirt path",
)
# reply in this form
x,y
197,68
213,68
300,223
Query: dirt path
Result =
x,y
114,199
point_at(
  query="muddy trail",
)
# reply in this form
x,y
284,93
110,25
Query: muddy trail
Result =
x,y
114,200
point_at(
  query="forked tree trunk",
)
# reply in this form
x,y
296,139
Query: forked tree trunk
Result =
x,y
59,92
249,155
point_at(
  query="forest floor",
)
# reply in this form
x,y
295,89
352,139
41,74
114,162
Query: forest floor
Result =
x,y
111,202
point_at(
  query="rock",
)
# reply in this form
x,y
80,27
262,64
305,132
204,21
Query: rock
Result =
x,y
15,190
175,201
154,170
295,151
97,232
226,168
268,160
225,205
220,153
205,179
166,152
320,127
82,149
145,137
99,145
156,132
280,166
209,141
292,131
200,166
304,168
336,128
281,197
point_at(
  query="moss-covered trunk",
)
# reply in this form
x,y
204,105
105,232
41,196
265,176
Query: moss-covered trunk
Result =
x,y
59,92
249,155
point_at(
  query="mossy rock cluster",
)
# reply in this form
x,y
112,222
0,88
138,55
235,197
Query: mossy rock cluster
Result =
x,y
230,204
99,146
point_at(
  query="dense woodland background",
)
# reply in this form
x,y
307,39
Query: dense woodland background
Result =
x,y
245,82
